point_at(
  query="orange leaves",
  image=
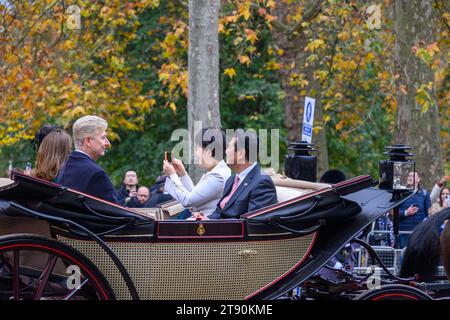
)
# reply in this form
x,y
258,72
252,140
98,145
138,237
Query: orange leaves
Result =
x,y
428,54
244,59
251,35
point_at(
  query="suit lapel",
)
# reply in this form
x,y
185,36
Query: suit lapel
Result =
x,y
244,184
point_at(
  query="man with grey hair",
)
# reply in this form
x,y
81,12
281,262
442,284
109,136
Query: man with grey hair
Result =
x,y
81,172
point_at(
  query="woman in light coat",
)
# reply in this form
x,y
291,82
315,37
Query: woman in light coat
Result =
x,y
205,195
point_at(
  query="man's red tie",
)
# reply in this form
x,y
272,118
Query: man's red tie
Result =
x,y
233,189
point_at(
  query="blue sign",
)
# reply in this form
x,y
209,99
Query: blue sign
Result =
x,y
308,112
308,119
307,129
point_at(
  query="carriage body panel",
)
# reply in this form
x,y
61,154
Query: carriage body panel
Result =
x,y
261,255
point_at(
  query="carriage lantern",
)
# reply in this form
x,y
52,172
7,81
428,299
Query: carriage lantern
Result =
x,y
300,164
394,176
394,172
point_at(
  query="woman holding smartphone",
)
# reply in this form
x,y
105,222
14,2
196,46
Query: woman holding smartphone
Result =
x,y
442,202
205,195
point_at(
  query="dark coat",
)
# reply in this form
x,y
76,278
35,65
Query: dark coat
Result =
x,y
255,192
81,173
122,194
422,200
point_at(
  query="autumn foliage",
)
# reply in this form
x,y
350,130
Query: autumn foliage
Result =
x,y
128,60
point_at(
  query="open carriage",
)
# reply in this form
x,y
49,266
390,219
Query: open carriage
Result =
x,y
58,243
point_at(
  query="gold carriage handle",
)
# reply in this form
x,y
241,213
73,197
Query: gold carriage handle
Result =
x,y
247,252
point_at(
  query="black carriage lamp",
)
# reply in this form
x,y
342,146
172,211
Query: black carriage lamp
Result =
x,y
299,163
394,177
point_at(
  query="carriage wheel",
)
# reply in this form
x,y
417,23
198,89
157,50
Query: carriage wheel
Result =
x,y
37,268
394,292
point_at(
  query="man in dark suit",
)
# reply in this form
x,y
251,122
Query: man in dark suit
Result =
x,y
247,190
81,172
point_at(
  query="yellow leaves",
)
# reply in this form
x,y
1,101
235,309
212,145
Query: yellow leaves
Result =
x,y
244,10
163,76
244,59
321,74
237,40
69,44
271,4
369,56
105,12
247,97
314,45
424,96
230,72
343,36
272,65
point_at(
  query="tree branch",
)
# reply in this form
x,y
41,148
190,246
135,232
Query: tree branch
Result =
x,y
309,15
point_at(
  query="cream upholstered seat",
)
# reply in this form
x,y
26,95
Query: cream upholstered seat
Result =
x,y
288,188
5,181
286,193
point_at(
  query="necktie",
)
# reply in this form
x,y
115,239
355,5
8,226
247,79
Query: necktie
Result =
x,y
233,189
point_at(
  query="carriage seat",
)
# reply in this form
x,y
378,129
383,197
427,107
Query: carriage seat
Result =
x,y
288,188
5,182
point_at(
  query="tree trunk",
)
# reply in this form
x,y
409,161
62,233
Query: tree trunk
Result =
x,y
203,70
295,55
417,127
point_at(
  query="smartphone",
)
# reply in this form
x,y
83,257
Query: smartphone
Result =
x,y
168,156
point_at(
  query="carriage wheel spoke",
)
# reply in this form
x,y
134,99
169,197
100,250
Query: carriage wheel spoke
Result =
x,y
45,276
16,274
72,293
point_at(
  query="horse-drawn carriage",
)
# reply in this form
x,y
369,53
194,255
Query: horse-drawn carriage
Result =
x,y
58,243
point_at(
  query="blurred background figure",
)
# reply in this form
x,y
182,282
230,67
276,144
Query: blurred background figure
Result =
x,y
414,210
157,193
332,176
442,202
129,187
140,199
41,134
437,188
